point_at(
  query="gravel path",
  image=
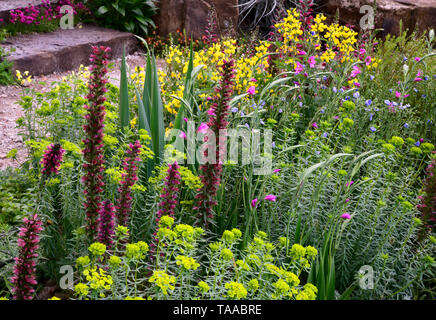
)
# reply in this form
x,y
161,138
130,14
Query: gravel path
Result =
x,y
10,111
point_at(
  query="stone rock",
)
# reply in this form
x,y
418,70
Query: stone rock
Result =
x,y
192,16
388,13
64,50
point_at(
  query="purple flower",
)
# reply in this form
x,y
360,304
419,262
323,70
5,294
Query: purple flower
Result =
x,y
203,128
270,197
234,109
372,129
368,102
346,216
349,183
277,170
253,203
251,90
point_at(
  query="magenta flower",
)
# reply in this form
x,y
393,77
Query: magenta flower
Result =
x,y
182,135
355,72
203,128
52,159
93,143
346,216
397,94
349,183
298,68
311,61
368,60
254,202
270,197
124,203
24,279
276,170
251,90
362,51
417,59
315,125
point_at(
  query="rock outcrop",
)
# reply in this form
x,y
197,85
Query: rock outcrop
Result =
x,y
192,16
388,13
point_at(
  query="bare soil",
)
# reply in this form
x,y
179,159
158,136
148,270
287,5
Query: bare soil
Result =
x,y
10,111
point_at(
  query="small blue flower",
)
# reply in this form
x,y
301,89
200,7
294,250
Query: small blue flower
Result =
x,y
312,33
371,77
417,143
341,90
405,59
334,90
390,90
317,152
424,96
325,134
388,102
370,117
416,90
300,104
376,109
426,78
322,111
406,125
324,78
262,122
356,94
372,129
247,125
273,144
242,113
280,110
368,102
235,109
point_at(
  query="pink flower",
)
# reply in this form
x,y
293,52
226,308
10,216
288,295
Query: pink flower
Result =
x,y
315,125
203,128
298,68
417,59
185,119
398,94
301,52
311,61
253,202
368,60
362,51
270,197
276,170
182,135
349,183
252,90
346,216
355,71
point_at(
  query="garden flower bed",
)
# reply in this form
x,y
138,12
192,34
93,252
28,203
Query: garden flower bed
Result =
x,y
297,167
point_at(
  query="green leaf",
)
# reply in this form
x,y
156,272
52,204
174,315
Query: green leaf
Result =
x,y
102,10
124,95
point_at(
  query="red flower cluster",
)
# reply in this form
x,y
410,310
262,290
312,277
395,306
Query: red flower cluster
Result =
x,y
52,159
106,228
124,205
24,278
210,174
428,200
169,197
93,150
